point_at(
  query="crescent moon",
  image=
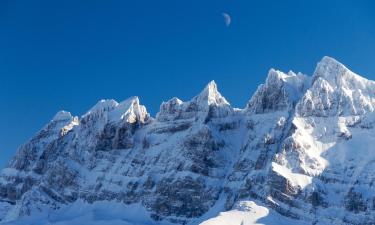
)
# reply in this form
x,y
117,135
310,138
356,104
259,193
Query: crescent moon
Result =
x,y
227,19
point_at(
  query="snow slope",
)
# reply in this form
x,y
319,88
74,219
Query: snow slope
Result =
x,y
78,213
249,213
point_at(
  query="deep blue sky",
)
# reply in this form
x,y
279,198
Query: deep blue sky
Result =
x,y
70,54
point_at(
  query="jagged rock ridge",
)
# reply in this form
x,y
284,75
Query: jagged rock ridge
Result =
x,y
301,147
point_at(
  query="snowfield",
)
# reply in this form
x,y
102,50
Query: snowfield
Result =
x,y
79,213
112,213
249,213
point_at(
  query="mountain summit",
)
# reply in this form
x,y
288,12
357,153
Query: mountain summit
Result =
x,y
300,152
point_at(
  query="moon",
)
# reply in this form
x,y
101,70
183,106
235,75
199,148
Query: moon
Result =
x,y
227,19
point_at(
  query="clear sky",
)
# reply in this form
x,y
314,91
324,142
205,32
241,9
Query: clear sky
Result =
x,y
70,54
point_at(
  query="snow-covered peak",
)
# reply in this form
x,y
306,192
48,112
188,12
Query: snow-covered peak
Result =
x,y
210,96
62,116
175,101
294,84
280,91
169,109
331,70
337,91
111,111
209,99
276,75
131,111
339,75
60,125
102,105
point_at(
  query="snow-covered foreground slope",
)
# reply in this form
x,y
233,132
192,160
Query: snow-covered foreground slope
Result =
x,y
98,213
114,213
300,152
249,213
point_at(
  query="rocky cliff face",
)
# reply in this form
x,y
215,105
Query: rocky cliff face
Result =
x,y
302,147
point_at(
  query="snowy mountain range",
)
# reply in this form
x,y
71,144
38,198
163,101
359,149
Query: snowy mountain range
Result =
x,y
300,152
